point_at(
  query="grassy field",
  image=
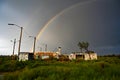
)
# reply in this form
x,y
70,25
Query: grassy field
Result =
x,y
105,68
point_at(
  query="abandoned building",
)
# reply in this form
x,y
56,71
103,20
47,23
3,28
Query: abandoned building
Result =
x,y
45,55
23,56
83,56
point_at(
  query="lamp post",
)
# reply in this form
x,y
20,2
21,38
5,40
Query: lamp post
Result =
x,y
13,46
20,36
39,48
45,47
34,43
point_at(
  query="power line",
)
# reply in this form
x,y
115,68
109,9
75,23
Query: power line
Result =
x,y
26,32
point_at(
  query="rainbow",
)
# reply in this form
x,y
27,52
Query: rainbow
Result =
x,y
59,14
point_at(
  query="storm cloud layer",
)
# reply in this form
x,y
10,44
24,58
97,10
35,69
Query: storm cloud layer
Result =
x,y
95,21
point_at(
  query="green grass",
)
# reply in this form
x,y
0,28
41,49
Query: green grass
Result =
x,y
105,68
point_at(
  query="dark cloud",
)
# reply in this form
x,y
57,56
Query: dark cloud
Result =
x,y
95,21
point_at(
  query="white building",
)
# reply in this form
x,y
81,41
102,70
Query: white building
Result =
x,y
23,56
83,56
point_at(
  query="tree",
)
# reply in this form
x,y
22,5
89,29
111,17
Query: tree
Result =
x,y
83,45
80,45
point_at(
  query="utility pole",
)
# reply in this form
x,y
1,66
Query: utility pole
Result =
x,y
34,44
45,47
14,46
39,48
21,29
20,41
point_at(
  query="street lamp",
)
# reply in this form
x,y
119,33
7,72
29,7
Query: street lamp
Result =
x,y
45,47
13,46
34,43
39,48
20,36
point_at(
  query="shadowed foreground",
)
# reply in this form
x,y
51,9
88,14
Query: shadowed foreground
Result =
x,y
106,68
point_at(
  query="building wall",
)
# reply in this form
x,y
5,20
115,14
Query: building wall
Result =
x,y
84,56
87,57
23,57
72,56
43,55
26,56
93,56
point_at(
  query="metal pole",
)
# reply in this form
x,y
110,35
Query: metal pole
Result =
x,y
20,41
40,48
34,45
14,46
45,47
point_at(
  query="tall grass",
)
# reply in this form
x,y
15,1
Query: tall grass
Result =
x,y
102,69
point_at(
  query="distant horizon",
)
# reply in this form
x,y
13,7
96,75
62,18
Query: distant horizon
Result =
x,y
98,54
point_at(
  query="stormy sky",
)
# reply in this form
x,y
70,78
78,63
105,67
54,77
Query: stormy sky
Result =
x,y
67,22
